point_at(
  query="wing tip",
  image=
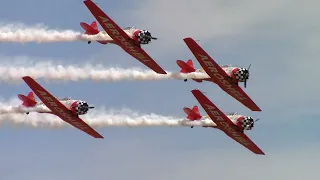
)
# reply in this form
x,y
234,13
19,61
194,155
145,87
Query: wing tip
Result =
x,y
27,79
161,72
255,108
195,91
98,136
87,1
187,39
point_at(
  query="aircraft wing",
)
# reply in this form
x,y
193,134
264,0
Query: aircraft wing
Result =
x,y
219,75
224,123
59,109
117,34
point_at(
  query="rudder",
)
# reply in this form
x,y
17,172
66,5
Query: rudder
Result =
x,y
186,67
29,100
91,29
195,109
192,114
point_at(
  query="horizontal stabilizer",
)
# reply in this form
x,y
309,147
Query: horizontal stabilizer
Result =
x,y
186,67
28,101
193,114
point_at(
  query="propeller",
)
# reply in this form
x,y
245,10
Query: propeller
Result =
x,y
148,34
245,81
91,107
251,125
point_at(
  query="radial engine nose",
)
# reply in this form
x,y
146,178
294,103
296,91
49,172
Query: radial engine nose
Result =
x,y
242,75
248,123
82,107
145,37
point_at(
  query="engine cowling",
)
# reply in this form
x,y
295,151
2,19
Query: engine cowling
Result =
x,y
245,122
80,107
143,36
240,74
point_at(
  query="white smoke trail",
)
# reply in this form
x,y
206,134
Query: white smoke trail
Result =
x,y
20,33
100,119
14,106
20,109
48,71
15,115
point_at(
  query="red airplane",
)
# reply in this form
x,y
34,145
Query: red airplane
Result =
x,y
66,108
226,77
232,124
129,39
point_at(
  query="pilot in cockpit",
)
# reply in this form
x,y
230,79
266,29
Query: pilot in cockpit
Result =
x,y
231,113
65,99
129,28
226,65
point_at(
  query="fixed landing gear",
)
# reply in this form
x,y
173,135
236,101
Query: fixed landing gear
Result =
x,y
89,42
185,80
27,112
191,126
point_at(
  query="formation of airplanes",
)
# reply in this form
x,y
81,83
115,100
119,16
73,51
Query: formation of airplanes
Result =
x,y
130,40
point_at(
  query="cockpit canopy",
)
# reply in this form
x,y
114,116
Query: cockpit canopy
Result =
x,y
231,113
65,99
130,28
226,65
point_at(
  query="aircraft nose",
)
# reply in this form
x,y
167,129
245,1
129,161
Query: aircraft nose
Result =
x,y
83,107
246,73
85,104
248,122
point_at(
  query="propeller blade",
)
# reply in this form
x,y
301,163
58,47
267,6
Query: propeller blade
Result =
x,y
154,38
245,84
257,120
91,107
249,67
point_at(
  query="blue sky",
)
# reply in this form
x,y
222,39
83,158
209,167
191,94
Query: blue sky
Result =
x,y
279,39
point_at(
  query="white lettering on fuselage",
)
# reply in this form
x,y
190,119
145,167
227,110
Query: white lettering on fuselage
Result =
x,y
222,79
123,40
222,123
60,112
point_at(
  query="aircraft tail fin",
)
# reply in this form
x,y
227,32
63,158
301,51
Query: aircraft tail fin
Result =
x,y
192,114
91,29
28,101
186,67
